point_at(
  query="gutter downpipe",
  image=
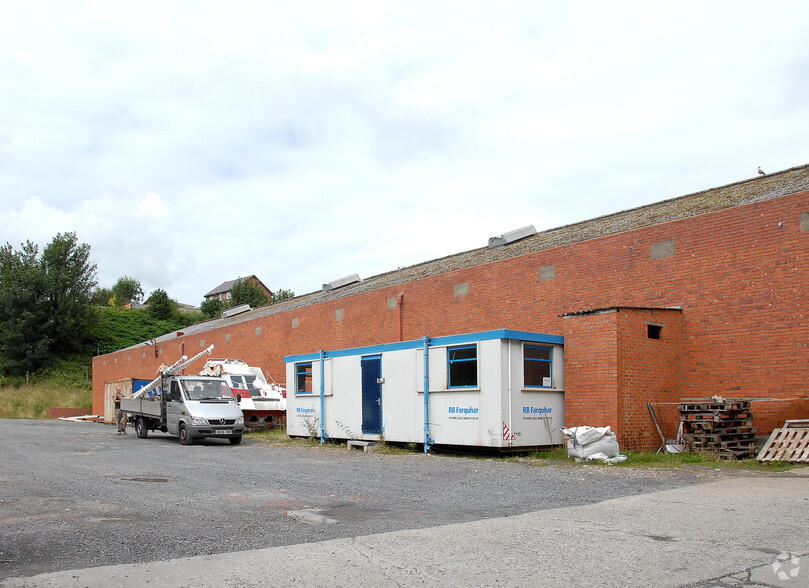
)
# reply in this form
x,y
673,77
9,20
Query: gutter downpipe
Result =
x,y
427,441
323,435
508,342
399,303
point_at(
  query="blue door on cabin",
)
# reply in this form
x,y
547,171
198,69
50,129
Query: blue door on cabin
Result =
x,y
371,394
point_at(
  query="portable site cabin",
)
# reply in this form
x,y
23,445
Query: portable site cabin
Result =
x,y
499,389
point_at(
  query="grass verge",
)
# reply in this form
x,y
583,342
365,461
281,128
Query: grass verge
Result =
x,y
65,384
271,436
34,400
640,459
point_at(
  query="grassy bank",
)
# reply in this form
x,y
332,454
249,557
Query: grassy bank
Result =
x,y
66,384
34,400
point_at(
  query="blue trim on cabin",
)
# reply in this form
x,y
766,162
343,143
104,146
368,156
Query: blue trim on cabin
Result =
x,y
434,342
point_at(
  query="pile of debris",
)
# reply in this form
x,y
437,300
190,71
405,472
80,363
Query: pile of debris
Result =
x,y
717,424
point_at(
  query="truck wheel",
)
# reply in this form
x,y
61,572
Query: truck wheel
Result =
x,y
185,438
140,428
235,440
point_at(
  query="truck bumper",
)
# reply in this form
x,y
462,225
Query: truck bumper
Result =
x,y
198,432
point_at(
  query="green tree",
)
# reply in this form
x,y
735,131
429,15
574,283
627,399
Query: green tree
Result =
x,y
70,279
248,292
282,294
23,310
211,308
161,306
127,290
102,296
45,302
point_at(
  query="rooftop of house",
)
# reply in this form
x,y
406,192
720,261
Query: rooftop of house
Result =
x,y
228,286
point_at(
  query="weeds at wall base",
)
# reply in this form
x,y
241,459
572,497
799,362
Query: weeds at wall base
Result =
x,y
640,459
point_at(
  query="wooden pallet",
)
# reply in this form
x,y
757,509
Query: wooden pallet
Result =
x,y
719,437
710,406
725,427
716,416
746,446
698,428
789,443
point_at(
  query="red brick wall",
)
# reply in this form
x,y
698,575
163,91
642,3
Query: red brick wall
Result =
x,y
740,277
591,370
649,371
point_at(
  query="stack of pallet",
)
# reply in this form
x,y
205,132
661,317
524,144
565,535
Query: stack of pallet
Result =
x,y
720,425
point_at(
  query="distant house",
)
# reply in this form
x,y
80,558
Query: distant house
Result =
x,y
223,290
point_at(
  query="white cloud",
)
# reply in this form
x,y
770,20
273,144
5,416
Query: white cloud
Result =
x,y
152,205
193,143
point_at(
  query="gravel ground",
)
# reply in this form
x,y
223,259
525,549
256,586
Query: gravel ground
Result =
x,y
77,495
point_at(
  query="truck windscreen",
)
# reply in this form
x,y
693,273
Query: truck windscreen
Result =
x,y
207,390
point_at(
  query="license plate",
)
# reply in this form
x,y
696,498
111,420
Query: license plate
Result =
x,y
224,431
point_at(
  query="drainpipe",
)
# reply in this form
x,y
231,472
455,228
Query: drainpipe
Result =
x,y
427,441
399,302
323,435
510,419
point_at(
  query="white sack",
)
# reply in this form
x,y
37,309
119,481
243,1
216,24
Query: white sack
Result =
x,y
602,457
606,443
586,434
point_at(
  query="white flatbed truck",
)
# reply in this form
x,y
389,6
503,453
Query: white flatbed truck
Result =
x,y
191,407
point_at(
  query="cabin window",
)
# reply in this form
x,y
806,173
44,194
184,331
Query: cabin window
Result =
x,y
244,383
303,378
462,366
238,382
537,366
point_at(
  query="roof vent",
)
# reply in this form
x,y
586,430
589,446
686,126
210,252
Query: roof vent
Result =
x,y
235,310
333,285
512,236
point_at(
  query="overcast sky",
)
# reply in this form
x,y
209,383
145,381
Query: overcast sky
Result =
x,y
190,142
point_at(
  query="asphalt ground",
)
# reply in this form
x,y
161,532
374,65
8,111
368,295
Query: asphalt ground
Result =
x,y
81,506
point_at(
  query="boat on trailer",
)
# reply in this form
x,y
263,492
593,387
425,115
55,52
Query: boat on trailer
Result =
x,y
263,403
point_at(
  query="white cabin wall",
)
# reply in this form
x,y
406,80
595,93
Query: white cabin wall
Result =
x,y
402,404
467,416
537,414
343,418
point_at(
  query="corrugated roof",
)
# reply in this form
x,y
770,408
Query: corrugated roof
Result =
x,y
757,189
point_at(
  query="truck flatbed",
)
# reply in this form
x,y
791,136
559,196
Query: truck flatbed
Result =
x,y
141,406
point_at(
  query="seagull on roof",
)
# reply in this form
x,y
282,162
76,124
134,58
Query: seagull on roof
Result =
x,y
761,171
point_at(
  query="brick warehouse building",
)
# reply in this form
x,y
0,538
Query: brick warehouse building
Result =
x,y
689,297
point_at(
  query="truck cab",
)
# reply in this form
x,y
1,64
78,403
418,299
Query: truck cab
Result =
x,y
199,407
191,407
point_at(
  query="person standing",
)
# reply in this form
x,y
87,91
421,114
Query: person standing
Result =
x,y
120,415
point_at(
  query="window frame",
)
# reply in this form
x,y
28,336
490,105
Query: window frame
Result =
x,y
301,371
451,362
548,361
